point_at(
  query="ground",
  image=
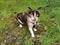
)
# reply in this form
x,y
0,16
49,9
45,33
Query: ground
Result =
x,y
48,26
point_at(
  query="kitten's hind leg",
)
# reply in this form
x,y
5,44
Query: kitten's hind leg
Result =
x,y
20,23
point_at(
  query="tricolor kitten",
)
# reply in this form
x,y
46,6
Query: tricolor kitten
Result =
x,y
30,18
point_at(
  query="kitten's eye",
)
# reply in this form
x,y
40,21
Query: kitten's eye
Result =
x,y
37,15
33,13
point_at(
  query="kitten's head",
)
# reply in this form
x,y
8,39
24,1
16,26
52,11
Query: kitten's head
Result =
x,y
34,14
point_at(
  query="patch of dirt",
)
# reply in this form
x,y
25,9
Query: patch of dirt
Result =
x,y
55,44
41,28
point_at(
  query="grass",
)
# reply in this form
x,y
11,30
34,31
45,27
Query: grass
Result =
x,y
49,18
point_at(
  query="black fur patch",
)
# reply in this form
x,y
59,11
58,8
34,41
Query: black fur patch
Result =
x,y
22,17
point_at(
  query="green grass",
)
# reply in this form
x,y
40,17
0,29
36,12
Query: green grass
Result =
x,y
50,18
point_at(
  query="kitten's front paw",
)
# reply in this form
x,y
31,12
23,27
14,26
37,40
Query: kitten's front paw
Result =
x,y
35,29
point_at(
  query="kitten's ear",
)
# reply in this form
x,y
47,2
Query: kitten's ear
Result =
x,y
29,8
39,9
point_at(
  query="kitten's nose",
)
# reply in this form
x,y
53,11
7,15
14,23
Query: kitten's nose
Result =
x,y
35,17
